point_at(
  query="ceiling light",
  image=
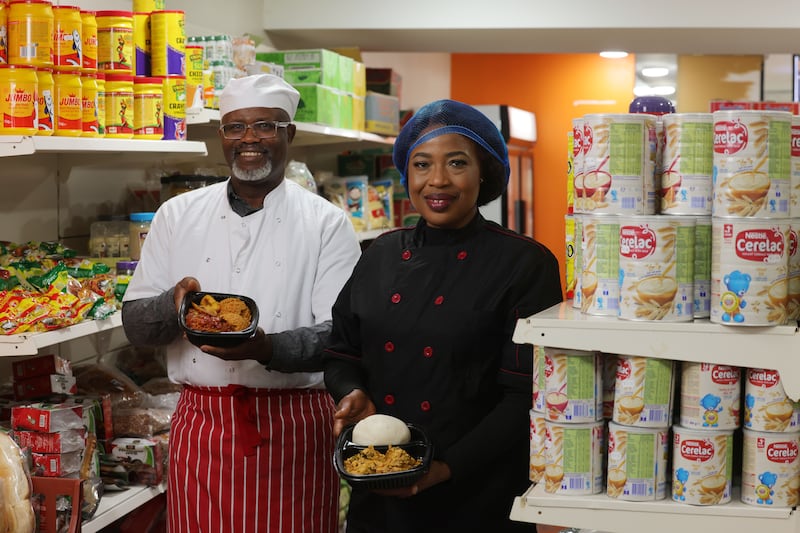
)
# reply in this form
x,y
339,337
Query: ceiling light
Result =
x,y
663,90
655,72
611,54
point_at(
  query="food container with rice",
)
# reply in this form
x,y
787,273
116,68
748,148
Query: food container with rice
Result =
x,y
382,452
218,319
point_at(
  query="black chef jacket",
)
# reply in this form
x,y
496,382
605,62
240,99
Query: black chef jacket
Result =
x,y
424,326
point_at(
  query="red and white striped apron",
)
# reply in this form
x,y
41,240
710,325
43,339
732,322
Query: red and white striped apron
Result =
x,y
252,460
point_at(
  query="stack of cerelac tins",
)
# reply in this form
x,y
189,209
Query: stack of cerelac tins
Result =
x,y
67,71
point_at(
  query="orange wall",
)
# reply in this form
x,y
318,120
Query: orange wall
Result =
x,y
557,88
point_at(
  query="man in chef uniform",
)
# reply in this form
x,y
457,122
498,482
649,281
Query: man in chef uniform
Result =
x,y
251,438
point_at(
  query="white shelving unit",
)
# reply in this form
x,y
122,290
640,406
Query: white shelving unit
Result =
x,y
31,343
115,505
15,145
774,347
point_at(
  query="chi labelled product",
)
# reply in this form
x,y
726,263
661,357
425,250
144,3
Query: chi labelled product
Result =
x,y
710,395
749,267
194,78
573,383
752,158
770,468
766,405
702,466
18,92
619,163
569,248
600,265
637,462
574,458
643,391
30,33
656,268
687,164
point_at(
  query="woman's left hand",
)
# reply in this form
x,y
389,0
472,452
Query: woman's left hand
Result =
x,y
437,473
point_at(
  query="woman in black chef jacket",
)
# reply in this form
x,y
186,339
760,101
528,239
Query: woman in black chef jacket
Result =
x,y
422,331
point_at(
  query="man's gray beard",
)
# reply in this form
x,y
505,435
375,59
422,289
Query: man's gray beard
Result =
x,y
257,174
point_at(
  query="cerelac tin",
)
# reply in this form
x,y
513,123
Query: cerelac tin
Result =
x,y
710,395
702,466
574,458
643,391
766,406
770,468
637,462
573,382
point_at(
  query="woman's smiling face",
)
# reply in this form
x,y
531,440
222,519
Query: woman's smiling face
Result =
x,y
444,180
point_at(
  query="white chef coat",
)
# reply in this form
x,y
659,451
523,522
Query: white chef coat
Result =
x,y
292,257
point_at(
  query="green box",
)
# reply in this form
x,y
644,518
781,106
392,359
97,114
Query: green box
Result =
x,y
326,61
346,111
318,104
305,75
346,73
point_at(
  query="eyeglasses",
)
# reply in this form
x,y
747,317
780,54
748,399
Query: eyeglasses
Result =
x,y
263,129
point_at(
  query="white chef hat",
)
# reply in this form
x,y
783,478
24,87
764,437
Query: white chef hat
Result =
x,y
259,90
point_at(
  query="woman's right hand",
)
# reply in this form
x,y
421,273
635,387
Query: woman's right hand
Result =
x,y
350,409
187,284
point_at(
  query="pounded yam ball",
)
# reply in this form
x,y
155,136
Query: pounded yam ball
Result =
x,y
236,322
381,430
235,306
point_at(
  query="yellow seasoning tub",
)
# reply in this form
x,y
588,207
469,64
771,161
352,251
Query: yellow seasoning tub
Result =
x,y
148,108
538,437
710,395
174,108
766,405
770,468
101,103
637,462
146,6
194,78
752,159
119,106
749,267
574,458
30,33
573,384
702,465
168,43
18,87
141,44
67,39
45,104
68,96
91,128
643,391
599,282
89,36
656,267
115,42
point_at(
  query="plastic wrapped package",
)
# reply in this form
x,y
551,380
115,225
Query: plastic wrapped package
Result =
x,y
16,510
299,173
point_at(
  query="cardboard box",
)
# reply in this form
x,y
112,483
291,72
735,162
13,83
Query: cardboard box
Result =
x,y
317,104
359,79
42,365
263,67
382,114
47,417
792,107
355,164
56,464
345,111
384,81
346,66
359,111
719,105
326,61
41,387
71,440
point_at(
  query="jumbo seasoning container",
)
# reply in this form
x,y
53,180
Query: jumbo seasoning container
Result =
x,y
44,101
115,42
141,44
91,128
119,106
123,277
18,92
68,103
30,33
174,108
167,43
569,248
67,39
89,34
148,118
4,31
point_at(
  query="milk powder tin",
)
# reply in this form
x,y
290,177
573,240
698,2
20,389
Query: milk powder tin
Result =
x,y
619,164
749,267
656,268
770,468
643,391
687,164
752,163
577,158
569,248
766,406
573,381
702,267
538,437
600,265
577,296
793,287
539,386
637,463
167,43
702,465
609,383
710,395
574,458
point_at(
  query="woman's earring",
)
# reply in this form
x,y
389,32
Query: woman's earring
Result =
x,y
481,180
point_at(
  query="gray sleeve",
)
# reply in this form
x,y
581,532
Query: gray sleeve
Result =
x,y
151,321
299,350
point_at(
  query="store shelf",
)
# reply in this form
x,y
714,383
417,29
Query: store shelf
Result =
x,y
602,513
115,505
30,343
773,347
13,145
307,134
